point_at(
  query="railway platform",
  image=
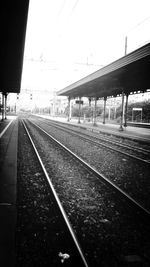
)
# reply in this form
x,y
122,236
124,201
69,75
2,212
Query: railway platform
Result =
x,y
129,131
8,177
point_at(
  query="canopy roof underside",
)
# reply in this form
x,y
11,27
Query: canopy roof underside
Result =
x,y
129,74
13,21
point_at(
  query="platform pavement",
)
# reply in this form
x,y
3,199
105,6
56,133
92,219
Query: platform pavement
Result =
x,y
129,131
8,178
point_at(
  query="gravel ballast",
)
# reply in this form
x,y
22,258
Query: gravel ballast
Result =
x,y
109,233
42,238
129,174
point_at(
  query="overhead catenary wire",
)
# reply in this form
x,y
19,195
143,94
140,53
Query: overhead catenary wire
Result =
x,y
133,29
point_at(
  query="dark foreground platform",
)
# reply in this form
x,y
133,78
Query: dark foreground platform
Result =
x,y
8,178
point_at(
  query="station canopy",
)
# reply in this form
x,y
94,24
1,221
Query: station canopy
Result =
x,y
130,73
13,19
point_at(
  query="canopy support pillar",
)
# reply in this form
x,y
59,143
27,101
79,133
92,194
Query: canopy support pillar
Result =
x,y
122,113
126,109
95,109
104,113
90,101
69,109
79,118
3,106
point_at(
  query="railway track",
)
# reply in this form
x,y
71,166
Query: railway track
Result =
x,y
134,152
97,174
77,256
129,175
138,209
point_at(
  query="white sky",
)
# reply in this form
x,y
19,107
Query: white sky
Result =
x,y
65,32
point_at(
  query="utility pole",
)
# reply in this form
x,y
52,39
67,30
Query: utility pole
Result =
x,y
123,107
126,43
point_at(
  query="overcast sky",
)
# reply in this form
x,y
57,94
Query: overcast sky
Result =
x,y
65,32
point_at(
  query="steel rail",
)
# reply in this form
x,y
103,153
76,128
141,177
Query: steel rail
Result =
x,y
102,144
56,198
138,149
100,131
112,148
97,174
